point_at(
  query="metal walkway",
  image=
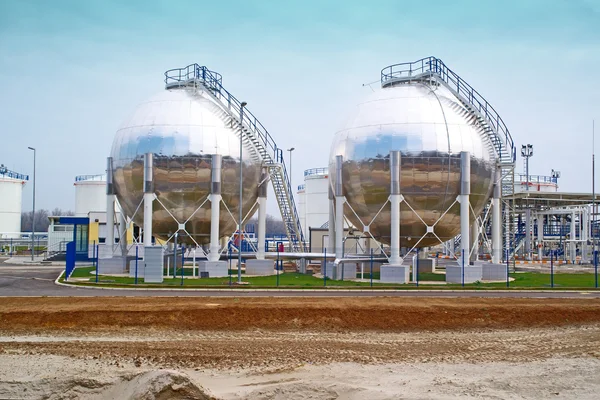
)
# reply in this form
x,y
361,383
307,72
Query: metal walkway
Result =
x,y
252,133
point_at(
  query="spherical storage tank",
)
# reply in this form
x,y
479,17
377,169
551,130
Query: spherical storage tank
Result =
x,y
430,127
183,127
11,194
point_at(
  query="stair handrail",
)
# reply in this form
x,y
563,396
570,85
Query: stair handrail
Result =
x,y
214,81
434,66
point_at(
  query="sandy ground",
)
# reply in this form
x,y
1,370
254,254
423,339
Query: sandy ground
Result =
x,y
379,348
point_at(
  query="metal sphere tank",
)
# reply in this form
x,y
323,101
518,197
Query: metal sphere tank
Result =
x,y
430,127
183,128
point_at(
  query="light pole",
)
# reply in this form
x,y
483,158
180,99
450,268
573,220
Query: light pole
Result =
x,y
33,215
527,152
241,216
290,150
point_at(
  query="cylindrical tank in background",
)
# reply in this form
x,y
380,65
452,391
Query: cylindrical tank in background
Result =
x,y
316,200
11,195
90,194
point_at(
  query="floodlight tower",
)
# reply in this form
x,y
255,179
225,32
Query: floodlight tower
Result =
x,y
526,153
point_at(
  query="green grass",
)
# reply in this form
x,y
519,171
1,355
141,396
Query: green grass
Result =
x,y
525,280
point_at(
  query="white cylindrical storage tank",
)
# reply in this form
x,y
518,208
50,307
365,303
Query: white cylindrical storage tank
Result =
x,y
90,194
316,197
536,183
301,196
11,195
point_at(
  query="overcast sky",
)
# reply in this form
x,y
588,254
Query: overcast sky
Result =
x,y
72,71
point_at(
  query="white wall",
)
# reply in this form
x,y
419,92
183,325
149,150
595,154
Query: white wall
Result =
x,y
300,195
11,195
89,196
316,198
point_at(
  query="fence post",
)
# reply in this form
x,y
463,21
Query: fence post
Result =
x,y
596,268
417,269
229,256
507,269
11,247
277,266
324,266
182,262
552,269
97,266
463,268
371,268
136,264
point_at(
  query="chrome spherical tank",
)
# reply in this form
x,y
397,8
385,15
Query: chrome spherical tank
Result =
x,y
430,127
183,127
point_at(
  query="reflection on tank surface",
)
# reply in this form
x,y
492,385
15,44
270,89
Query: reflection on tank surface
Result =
x,y
430,128
182,130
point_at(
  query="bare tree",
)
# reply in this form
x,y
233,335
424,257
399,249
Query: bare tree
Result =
x,y
41,219
274,226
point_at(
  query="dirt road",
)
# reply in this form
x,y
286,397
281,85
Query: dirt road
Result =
x,y
275,348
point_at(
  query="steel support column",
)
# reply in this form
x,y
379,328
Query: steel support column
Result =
x,y
395,200
465,191
262,215
215,208
148,197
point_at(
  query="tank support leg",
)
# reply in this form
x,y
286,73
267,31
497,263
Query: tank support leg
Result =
x,y
262,215
395,199
148,198
110,205
339,209
465,191
497,218
215,208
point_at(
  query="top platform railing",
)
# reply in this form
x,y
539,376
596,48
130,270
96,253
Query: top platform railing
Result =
x,y
316,171
435,68
7,173
83,178
214,81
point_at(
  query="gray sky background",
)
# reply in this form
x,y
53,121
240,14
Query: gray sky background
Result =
x,y
73,70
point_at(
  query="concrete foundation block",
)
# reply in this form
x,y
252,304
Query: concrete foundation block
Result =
x,y
110,266
472,273
140,268
153,264
214,268
260,267
494,272
427,265
394,273
345,271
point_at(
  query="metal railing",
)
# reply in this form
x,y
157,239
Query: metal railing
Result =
x,y
266,146
301,187
535,178
5,172
316,171
434,67
97,177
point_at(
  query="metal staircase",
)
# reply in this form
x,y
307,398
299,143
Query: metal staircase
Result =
x,y
253,134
